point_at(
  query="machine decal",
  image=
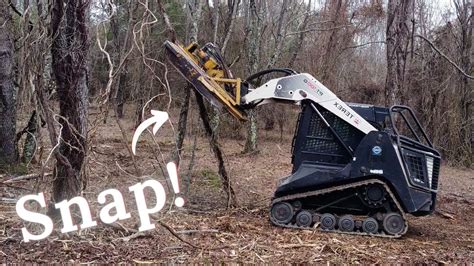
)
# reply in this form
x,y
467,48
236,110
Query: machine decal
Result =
x,y
342,109
314,87
377,151
376,171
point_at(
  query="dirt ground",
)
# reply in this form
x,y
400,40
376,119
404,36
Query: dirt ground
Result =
x,y
210,232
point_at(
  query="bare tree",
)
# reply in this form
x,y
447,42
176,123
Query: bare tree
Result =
x,y
69,51
398,36
121,42
8,150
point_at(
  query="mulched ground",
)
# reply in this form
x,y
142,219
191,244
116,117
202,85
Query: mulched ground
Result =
x,y
206,231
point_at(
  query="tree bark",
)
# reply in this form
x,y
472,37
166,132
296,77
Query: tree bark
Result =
x,y
253,29
194,13
70,47
8,149
398,39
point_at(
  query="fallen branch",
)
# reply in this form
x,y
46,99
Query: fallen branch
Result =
x,y
24,177
173,232
308,245
8,200
119,226
188,232
133,236
14,187
445,215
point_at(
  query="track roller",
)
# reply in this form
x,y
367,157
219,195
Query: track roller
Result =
x,y
328,221
304,219
346,223
370,226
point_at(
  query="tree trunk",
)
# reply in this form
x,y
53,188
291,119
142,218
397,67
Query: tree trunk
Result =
x,y
183,120
253,29
193,15
279,39
465,14
298,43
329,63
231,200
70,47
8,149
398,39
120,46
233,8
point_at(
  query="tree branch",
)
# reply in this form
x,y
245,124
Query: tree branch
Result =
x,y
316,29
361,45
445,57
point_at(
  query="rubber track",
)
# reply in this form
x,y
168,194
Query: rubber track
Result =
x,y
338,188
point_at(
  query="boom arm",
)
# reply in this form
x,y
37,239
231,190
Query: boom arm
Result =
x,y
298,87
204,68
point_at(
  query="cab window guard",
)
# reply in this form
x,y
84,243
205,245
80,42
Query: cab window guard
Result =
x,y
400,110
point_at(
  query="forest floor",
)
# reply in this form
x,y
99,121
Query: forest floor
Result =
x,y
214,233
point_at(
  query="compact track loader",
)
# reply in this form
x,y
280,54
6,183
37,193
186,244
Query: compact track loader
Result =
x,y
357,168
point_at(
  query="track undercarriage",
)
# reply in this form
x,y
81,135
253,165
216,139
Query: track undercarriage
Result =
x,y
365,208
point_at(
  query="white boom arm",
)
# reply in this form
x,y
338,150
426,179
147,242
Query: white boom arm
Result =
x,y
296,88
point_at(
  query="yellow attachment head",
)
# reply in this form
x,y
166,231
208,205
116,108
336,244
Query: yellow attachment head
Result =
x,y
206,76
